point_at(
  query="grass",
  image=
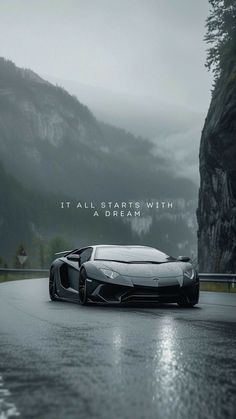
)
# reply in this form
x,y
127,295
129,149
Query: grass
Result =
x,y
18,276
217,287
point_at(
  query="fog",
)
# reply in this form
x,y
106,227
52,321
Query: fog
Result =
x,y
137,64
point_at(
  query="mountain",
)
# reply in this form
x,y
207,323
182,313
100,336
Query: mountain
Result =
x,y
54,143
168,126
53,149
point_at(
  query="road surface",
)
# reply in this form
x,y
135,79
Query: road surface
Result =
x,y
63,361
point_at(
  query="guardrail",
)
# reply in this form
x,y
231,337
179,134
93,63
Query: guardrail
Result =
x,y
229,279
207,277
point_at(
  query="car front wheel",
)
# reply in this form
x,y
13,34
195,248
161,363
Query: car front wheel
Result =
x,y
184,303
190,299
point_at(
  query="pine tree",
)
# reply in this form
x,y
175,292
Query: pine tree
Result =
x,y
221,36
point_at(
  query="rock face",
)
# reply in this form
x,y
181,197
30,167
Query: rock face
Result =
x,y
217,196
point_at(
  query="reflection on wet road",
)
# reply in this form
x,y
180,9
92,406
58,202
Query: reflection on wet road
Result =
x,y
60,360
7,409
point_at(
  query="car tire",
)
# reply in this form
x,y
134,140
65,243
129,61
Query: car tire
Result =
x,y
184,303
52,286
189,300
83,298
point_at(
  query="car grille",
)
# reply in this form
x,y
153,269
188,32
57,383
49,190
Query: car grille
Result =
x,y
151,294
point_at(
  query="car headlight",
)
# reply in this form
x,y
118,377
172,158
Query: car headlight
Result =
x,y
189,273
109,273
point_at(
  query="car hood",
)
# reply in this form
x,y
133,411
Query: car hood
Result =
x,y
164,270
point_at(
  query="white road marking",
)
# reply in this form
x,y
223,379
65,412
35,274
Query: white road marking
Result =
x,y
7,408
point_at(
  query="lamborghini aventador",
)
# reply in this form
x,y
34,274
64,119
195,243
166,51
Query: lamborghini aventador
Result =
x,y
123,274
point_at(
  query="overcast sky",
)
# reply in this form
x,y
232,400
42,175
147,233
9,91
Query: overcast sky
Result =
x,y
145,48
138,64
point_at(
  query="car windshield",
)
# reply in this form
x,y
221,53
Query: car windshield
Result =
x,y
131,254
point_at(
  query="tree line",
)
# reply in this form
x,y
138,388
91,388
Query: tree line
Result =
x,y
221,37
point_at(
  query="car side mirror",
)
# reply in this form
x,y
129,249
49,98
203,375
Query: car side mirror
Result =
x,y
74,258
183,259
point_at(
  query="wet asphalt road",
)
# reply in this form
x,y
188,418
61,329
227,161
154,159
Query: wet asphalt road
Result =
x,y
62,361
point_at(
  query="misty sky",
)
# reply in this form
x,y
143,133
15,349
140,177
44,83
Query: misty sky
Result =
x,y
138,64
137,47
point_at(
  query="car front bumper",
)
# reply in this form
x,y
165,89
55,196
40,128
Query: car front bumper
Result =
x,y
118,294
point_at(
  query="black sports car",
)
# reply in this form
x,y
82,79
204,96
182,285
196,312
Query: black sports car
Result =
x,y
123,274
